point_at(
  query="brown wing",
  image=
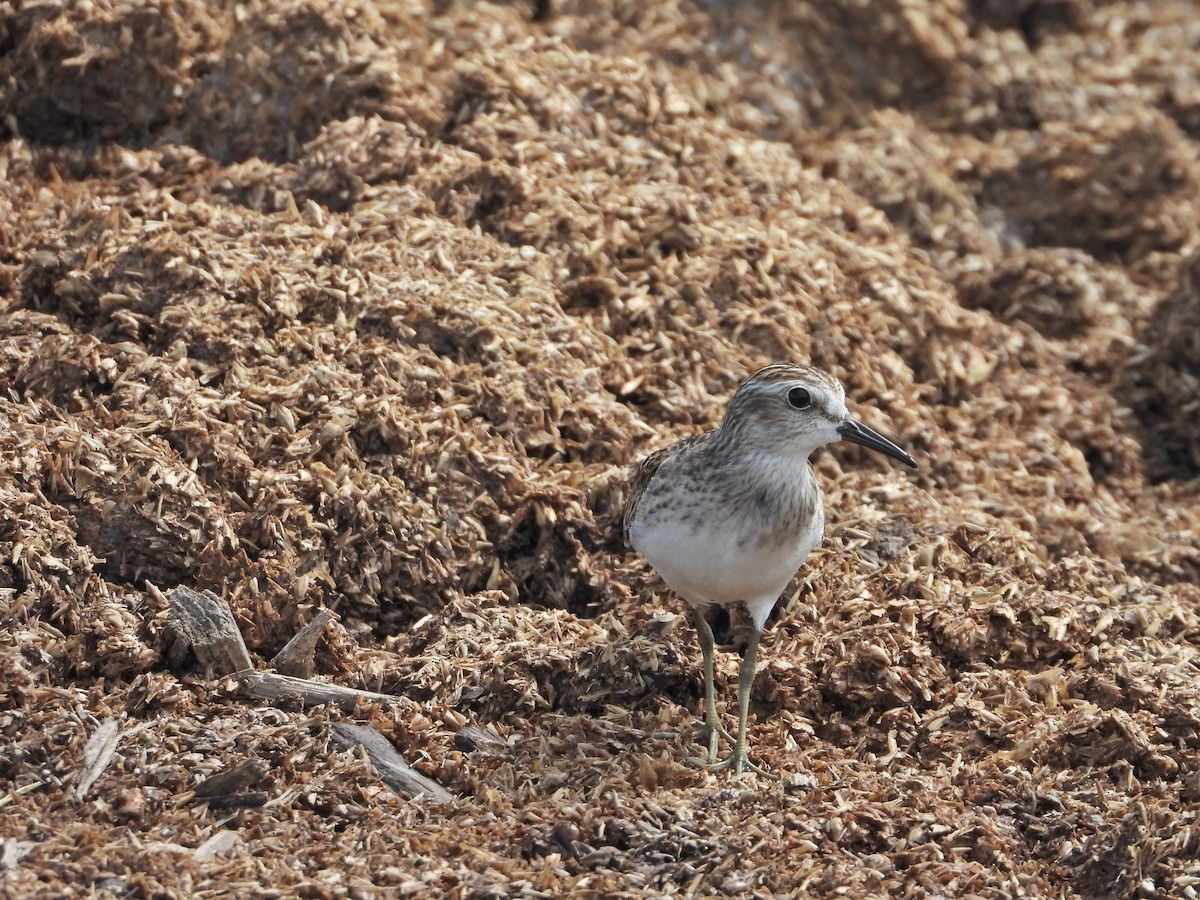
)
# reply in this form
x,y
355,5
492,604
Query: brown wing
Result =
x,y
649,467
637,486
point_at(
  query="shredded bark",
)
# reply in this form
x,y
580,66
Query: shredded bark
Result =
x,y
358,314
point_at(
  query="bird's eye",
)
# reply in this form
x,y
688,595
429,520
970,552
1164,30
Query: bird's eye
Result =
x,y
799,398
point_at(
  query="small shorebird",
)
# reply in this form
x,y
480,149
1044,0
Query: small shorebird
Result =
x,y
728,516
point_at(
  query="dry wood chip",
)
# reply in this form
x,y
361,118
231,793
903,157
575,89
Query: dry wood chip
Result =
x,y
223,843
13,851
472,737
296,657
97,754
392,767
231,781
208,628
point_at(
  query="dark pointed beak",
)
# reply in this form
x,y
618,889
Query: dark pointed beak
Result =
x,y
856,432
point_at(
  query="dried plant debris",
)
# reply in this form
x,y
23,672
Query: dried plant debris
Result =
x,y
1162,380
355,315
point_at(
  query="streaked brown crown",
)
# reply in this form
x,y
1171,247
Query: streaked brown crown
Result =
x,y
789,371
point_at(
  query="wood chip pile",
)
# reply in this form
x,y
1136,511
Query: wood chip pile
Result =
x,y
368,307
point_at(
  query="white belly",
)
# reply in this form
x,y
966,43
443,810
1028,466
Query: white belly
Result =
x,y
726,562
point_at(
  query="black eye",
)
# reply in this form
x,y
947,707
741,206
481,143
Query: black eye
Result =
x,y
799,398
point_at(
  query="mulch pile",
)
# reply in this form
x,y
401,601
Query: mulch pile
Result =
x,y
369,306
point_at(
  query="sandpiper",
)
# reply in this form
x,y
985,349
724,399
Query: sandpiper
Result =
x,y
728,516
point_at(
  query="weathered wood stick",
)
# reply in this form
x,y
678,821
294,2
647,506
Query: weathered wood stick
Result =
x,y
273,686
392,767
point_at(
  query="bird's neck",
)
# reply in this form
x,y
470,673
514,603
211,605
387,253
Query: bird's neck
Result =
x,y
770,490
761,454
784,472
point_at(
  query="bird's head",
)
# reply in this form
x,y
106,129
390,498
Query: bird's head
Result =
x,y
790,409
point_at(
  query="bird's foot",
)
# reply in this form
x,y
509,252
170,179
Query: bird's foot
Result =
x,y
739,761
709,733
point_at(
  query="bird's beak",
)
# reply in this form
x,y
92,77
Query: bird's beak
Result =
x,y
856,432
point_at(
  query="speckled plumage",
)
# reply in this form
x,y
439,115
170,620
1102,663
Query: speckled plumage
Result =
x,y
752,520
728,516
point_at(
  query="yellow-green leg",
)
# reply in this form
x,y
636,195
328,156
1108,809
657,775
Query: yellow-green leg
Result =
x,y
713,729
739,760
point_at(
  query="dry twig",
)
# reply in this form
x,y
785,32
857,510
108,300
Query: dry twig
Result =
x,y
273,686
392,767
